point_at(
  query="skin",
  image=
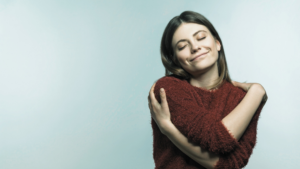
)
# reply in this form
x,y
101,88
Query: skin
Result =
x,y
190,40
187,45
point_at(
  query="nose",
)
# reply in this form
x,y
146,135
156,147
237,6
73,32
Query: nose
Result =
x,y
194,47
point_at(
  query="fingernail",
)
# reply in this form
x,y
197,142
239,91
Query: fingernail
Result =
x,y
161,89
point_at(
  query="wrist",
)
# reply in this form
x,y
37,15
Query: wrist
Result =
x,y
166,127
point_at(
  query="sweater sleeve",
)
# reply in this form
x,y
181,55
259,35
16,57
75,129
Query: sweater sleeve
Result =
x,y
192,120
239,157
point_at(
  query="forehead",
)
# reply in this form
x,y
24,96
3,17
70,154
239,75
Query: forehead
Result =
x,y
186,30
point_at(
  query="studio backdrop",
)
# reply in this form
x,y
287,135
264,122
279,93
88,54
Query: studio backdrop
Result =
x,y
75,77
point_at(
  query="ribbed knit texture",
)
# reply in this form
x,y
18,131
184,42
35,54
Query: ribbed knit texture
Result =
x,y
197,114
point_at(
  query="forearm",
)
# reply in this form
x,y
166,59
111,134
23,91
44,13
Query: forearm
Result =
x,y
239,118
195,152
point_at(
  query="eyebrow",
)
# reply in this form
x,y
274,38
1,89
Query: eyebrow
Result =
x,y
181,40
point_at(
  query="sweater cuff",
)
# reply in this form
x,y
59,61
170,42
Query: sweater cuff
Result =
x,y
221,164
226,139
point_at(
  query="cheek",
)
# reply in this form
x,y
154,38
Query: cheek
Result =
x,y
179,58
182,57
209,43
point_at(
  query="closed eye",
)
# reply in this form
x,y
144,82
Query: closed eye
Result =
x,y
202,38
182,47
185,45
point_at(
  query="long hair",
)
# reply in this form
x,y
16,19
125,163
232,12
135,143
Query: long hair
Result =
x,y
171,63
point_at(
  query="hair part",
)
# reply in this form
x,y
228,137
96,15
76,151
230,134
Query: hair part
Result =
x,y
170,61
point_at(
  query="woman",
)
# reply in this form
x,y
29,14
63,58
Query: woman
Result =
x,y
200,118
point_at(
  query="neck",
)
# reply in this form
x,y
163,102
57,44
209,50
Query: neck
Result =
x,y
207,78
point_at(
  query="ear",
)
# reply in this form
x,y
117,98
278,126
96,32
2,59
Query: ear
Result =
x,y
218,45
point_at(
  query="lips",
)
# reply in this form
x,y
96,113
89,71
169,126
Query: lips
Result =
x,y
199,55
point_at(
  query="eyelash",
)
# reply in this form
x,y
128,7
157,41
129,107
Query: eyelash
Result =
x,y
185,45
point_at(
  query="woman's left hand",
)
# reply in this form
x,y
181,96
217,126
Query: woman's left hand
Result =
x,y
159,112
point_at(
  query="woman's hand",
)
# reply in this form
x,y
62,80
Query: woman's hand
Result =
x,y
159,112
246,87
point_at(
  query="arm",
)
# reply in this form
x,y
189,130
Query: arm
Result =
x,y
195,152
198,125
240,156
236,159
192,119
238,119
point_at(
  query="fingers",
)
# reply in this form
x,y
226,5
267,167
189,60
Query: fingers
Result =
x,y
163,98
149,103
151,96
152,102
240,85
233,82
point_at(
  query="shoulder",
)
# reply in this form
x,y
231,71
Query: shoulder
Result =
x,y
236,92
171,81
175,88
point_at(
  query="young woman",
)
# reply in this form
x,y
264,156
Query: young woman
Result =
x,y
200,118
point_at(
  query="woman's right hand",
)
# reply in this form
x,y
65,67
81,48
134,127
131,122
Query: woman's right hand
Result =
x,y
246,87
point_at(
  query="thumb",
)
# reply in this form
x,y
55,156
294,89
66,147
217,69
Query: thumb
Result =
x,y
163,97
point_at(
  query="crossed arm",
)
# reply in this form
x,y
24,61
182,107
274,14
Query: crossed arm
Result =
x,y
222,147
195,152
238,158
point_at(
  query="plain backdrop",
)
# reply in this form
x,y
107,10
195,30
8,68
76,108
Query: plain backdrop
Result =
x,y
75,76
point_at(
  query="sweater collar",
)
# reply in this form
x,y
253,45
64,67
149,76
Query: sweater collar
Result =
x,y
214,91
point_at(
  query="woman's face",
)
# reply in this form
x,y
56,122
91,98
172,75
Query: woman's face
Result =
x,y
190,41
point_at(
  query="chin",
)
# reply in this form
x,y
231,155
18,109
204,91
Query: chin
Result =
x,y
204,66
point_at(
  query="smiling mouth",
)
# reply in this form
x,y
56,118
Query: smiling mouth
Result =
x,y
199,56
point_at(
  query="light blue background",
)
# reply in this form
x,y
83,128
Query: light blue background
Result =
x,y
75,76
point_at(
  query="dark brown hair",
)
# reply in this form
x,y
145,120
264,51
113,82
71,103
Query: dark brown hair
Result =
x,y
171,63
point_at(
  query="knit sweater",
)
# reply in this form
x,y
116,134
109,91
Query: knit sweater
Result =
x,y
197,113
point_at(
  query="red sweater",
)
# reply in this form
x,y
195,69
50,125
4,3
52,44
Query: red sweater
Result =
x,y
197,114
